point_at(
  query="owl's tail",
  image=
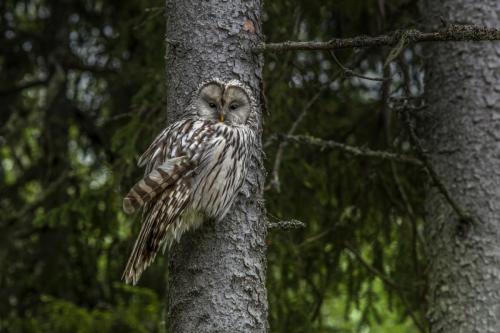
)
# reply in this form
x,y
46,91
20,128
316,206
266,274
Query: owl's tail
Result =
x,y
159,217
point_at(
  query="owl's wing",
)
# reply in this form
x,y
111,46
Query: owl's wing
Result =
x,y
155,147
167,144
155,182
183,138
157,216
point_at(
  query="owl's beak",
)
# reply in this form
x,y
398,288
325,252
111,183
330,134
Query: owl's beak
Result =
x,y
221,117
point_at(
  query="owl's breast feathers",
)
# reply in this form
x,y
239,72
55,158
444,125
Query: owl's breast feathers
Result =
x,y
221,170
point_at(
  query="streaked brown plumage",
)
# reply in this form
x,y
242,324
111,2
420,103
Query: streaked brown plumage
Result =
x,y
194,169
155,183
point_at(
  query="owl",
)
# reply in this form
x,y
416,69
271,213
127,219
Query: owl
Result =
x,y
194,170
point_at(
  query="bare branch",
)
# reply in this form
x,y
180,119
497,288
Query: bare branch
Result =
x,y
353,150
275,181
447,34
290,224
350,72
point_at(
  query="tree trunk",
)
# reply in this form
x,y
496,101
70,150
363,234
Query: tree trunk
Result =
x,y
216,277
461,135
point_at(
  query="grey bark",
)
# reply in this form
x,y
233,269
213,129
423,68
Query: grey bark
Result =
x,y
216,277
461,134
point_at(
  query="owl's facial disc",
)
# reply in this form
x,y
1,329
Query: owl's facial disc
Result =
x,y
209,101
235,105
226,104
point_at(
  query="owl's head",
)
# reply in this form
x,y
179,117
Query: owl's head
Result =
x,y
225,102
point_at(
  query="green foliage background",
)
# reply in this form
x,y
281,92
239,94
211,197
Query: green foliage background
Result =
x,y
81,95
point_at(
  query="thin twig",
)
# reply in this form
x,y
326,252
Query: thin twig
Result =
x,y
372,269
275,181
350,72
416,235
316,237
353,150
120,116
449,33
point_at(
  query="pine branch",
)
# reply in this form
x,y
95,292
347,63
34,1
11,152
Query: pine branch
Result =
x,y
274,183
450,33
389,282
275,180
353,150
20,87
286,225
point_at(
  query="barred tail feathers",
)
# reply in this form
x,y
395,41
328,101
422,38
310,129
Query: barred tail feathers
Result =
x,y
159,219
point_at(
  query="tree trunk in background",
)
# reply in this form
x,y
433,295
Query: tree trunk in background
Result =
x,y
462,137
216,277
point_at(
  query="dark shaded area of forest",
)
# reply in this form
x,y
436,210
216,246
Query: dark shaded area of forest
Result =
x,y
82,95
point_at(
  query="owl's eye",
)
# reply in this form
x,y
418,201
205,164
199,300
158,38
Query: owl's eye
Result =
x,y
233,106
212,105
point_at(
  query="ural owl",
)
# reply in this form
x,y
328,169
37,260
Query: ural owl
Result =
x,y
194,169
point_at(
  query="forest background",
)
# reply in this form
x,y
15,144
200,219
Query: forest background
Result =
x,y
82,95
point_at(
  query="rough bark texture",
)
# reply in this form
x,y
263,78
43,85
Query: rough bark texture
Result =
x,y
462,136
217,274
